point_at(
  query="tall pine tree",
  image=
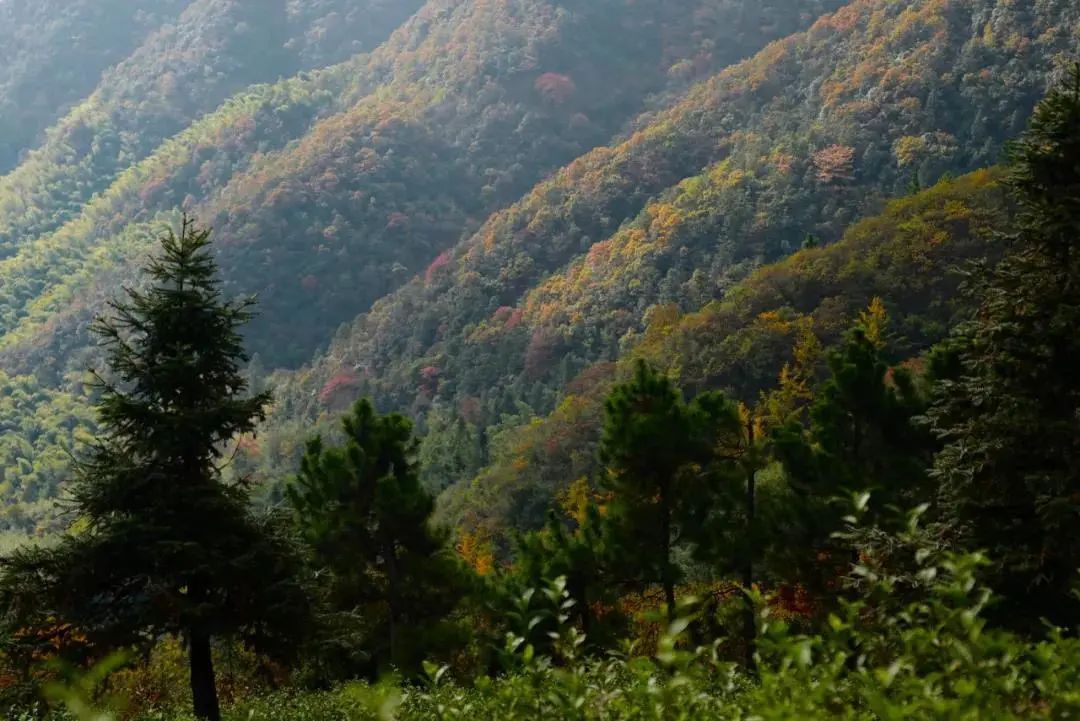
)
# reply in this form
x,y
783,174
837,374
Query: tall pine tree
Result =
x,y
861,437
1011,421
660,455
579,555
363,512
164,546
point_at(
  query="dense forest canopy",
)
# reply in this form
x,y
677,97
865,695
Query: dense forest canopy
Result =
x,y
387,159
599,359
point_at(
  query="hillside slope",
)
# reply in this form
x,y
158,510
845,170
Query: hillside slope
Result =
x,y
909,256
395,155
185,69
459,112
814,132
53,52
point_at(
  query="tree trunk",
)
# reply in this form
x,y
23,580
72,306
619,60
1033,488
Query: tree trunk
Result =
x,y
203,685
394,600
586,615
667,577
748,568
751,467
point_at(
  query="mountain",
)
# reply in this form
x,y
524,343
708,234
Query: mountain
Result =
x,y
466,208
53,52
332,188
455,115
183,70
910,255
812,133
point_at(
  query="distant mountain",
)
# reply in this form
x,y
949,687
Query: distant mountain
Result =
x,y
180,72
332,188
910,256
53,52
814,132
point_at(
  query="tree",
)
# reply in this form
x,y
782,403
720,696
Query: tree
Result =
x,y
580,555
659,454
161,544
729,532
449,452
860,437
1010,469
365,517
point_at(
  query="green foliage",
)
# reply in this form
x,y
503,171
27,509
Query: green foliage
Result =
x,y
584,558
861,438
450,449
663,464
1009,419
38,430
733,175
931,658
52,53
363,513
161,544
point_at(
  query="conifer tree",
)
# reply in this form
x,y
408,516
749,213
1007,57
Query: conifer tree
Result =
x,y
659,454
164,545
449,452
1011,465
366,518
579,555
861,437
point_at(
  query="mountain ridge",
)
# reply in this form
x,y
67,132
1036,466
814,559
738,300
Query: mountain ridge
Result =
x,y
387,124
488,274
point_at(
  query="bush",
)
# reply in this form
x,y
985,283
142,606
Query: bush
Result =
x,y
930,657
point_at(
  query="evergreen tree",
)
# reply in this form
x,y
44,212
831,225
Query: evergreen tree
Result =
x,y
915,185
729,533
1011,466
659,454
861,437
365,517
163,545
449,452
580,555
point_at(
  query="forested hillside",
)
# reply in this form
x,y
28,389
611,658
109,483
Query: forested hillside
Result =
x,y
910,257
455,151
615,360
52,55
394,155
797,142
214,49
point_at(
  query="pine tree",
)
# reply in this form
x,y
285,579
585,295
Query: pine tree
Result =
x,y
1011,466
449,452
861,437
580,555
365,517
164,545
659,454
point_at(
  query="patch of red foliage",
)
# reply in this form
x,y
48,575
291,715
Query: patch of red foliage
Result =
x,y
342,381
555,87
436,265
